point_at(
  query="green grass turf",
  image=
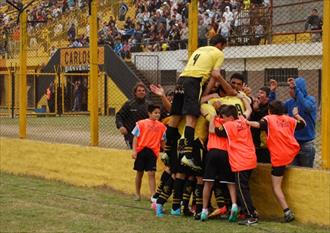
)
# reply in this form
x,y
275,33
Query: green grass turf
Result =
x,y
30,204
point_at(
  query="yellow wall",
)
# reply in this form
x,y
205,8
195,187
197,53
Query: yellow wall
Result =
x,y
307,190
116,98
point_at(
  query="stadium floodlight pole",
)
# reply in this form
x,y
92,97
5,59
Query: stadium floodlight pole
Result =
x,y
93,48
193,27
325,125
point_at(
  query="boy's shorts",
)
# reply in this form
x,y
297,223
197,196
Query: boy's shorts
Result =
x,y
145,160
217,166
278,171
198,157
186,97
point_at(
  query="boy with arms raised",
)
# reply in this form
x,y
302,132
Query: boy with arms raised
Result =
x,y
282,145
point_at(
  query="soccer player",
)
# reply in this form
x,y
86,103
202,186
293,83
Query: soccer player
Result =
x,y
282,145
203,63
149,136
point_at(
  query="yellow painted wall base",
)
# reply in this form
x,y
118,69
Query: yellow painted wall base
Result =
x,y
307,190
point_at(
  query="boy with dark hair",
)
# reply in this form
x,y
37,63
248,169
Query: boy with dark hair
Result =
x,y
217,164
149,136
282,145
242,157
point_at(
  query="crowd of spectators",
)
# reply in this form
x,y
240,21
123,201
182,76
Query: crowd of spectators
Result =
x,y
158,25
37,16
163,24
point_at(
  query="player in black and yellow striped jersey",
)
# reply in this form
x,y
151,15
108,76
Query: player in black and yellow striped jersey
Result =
x,y
204,63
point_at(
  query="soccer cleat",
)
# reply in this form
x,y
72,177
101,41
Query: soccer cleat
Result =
x,y
176,212
159,210
187,212
288,216
198,216
190,163
233,214
204,216
248,221
218,212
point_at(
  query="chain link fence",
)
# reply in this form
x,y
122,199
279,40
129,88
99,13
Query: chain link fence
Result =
x,y
265,42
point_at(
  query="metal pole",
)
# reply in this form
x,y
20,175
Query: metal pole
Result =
x,y
22,76
12,76
94,124
193,27
325,126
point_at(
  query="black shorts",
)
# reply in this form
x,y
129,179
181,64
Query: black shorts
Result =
x,y
217,166
263,155
278,171
186,97
198,157
145,160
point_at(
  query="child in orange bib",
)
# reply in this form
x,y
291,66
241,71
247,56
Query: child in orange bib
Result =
x,y
242,156
149,137
282,145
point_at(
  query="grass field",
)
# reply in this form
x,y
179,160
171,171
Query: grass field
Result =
x,y
30,204
65,129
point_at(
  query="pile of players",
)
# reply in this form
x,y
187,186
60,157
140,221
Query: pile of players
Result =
x,y
209,144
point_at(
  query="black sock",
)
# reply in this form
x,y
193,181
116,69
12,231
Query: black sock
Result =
x,y
219,195
177,193
165,176
166,192
171,136
189,133
189,187
199,198
286,209
226,194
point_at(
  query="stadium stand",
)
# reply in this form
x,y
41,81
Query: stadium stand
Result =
x,y
149,25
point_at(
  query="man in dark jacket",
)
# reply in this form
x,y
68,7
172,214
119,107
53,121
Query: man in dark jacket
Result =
x,y
132,111
314,22
306,105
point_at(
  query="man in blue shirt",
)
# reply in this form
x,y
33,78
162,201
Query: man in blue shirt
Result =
x,y
307,109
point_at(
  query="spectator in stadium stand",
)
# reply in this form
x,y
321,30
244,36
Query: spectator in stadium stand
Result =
x,y
224,28
314,22
118,46
228,15
72,32
260,109
184,35
259,32
132,111
307,110
202,31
